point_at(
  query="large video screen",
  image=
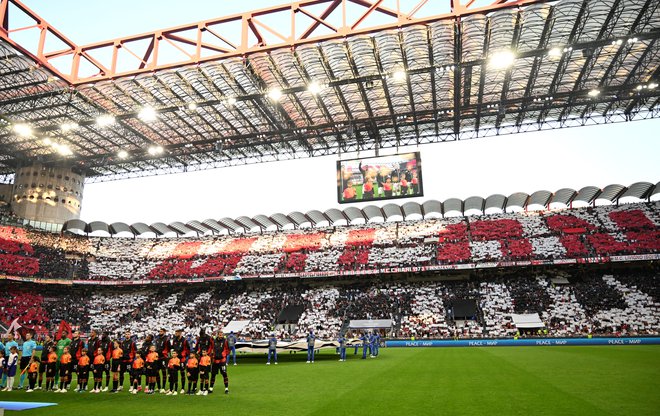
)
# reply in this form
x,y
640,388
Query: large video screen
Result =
x,y
378,178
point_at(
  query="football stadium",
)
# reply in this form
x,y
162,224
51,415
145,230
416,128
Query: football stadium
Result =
x,y
330,207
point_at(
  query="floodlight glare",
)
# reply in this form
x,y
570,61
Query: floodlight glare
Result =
x,y
399,75
232,100
275,94
23,130
555,53
122,154
594,93
47,141
314,87
155,150
68,126
64,150
105,120
502,59
192,106
147,114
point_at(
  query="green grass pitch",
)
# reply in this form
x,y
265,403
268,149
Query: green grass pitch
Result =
x,y
600,380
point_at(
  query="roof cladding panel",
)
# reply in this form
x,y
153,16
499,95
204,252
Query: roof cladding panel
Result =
x,y
497,201
247,223
656,189
264,221
475,203
214,225
120,227
161,229
432,209
231,224
354,214
197,226
588,194
98,226
612,192
298,218
317,217
180,228
75,224
410,208
392,210
453,204
140,228
563,196
281,220
639,190
373,213
518,200
335,215
541,198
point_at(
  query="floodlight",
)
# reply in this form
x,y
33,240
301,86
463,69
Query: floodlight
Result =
x,y
502,59
23,130
147,114
275,94
68,126
314,87
399,75
105,120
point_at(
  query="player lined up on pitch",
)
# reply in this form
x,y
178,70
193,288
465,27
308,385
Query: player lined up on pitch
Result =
x,y
162,364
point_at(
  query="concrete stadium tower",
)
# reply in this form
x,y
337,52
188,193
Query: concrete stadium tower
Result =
x,y
47,194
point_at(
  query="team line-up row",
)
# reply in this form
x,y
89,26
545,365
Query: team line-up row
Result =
x,y
160,359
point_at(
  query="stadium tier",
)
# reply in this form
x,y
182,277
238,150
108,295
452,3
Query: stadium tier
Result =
x,y
568,303
593,234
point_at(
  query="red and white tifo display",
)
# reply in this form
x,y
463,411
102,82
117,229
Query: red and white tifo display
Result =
x,y
594,234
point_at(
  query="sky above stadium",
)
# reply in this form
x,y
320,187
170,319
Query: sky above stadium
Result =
x,y
596,155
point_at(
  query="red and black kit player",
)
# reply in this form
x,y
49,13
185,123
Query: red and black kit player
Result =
x,y
106,345
75,349
220,353
45,350
128,354
204,343
93,343
182,348
162,343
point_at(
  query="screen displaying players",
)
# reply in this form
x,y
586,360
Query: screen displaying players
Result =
x,y
383,177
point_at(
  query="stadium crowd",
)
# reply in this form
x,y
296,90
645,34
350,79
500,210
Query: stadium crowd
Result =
x,y
528,236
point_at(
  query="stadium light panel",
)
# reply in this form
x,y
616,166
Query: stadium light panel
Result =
x,y
399,75
64,150
653,86
147,114
231,100
502,59
65,127
555,52
192,106
314,87
122,154
23,130
155,150
594,93
275,94
47,141
105,120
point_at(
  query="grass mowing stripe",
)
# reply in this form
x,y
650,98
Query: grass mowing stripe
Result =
x,y
453,381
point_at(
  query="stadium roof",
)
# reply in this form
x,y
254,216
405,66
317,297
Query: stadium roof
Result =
x,y
518,201
342,76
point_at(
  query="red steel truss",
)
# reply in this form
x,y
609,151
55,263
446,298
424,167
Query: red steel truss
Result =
x,y
236,35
